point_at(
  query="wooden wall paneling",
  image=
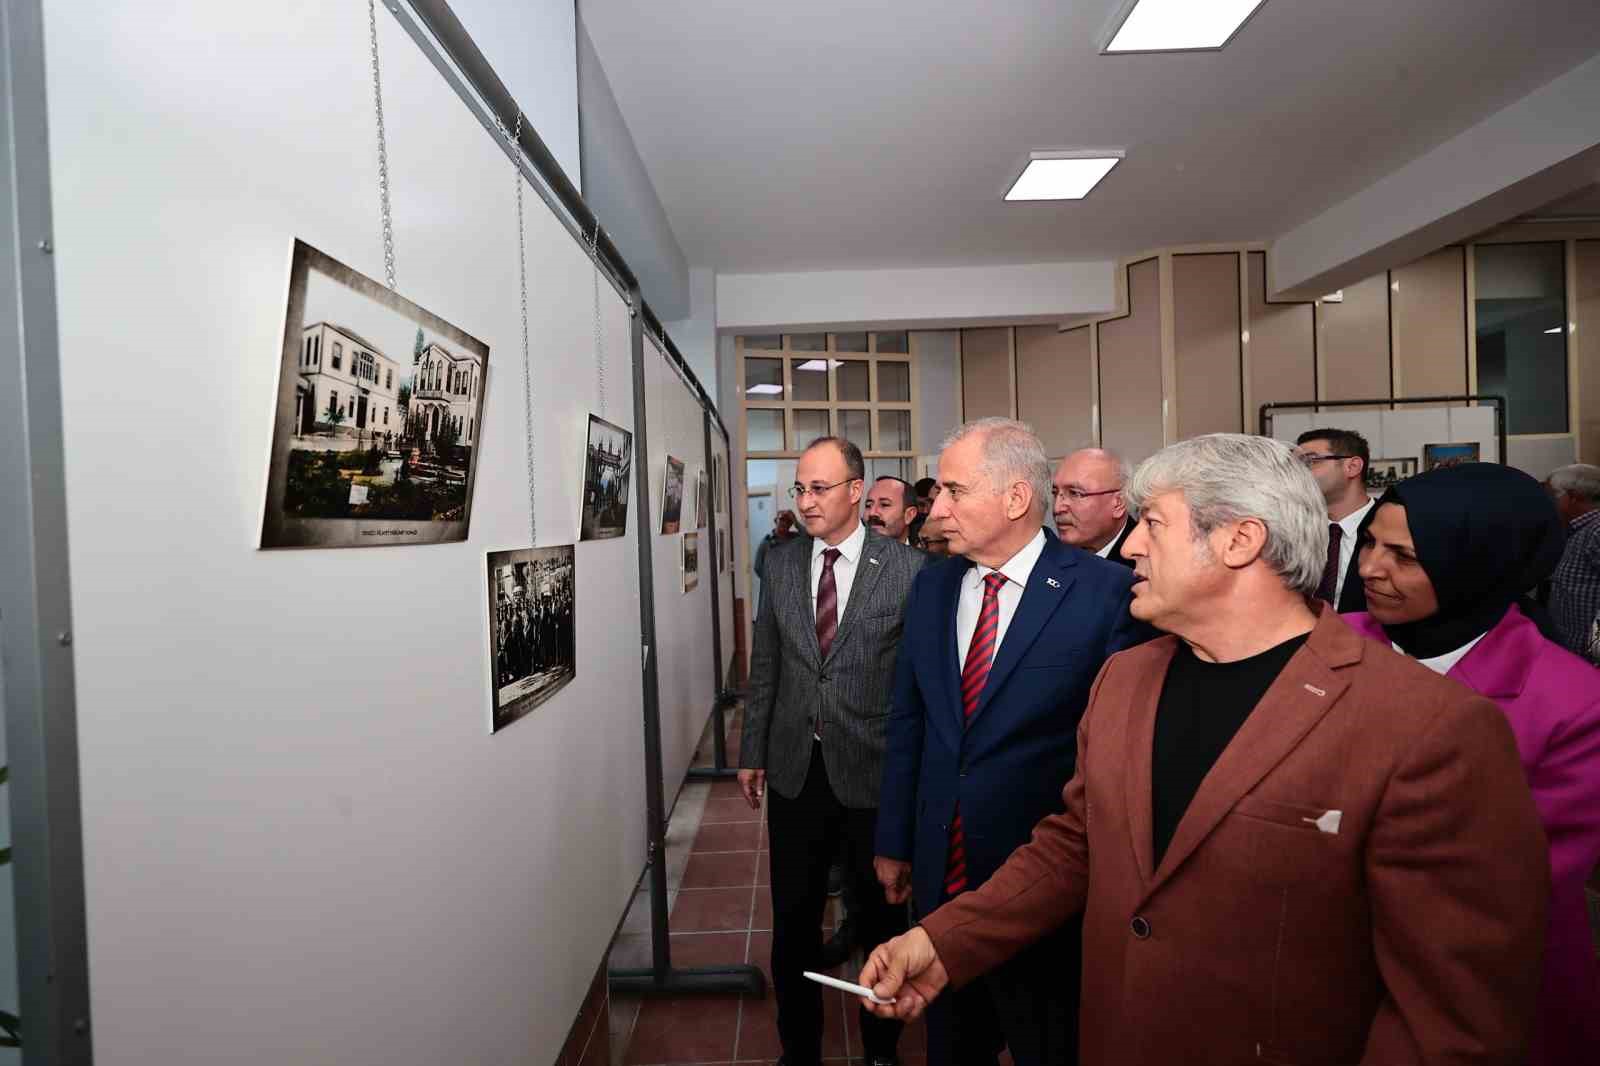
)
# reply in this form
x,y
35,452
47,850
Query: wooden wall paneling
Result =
x,y
986,387
1429,301
1354,344
1282,363
1130,368
1207,344
1053,386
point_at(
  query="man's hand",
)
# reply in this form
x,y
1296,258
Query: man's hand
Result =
x,y
895,877
753,783
907,970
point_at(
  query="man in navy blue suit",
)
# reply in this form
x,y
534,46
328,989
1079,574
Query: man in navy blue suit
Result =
x,y
1000,648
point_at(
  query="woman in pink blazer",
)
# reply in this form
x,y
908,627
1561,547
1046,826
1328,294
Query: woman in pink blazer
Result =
x,y
1445,557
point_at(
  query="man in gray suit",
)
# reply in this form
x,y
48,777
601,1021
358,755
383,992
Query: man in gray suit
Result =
x,y
821,671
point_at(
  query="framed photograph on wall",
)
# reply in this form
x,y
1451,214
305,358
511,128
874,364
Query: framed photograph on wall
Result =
x,y
1434,455
608,460
691,561
672,496
378,415
532,629
701,514
1381,473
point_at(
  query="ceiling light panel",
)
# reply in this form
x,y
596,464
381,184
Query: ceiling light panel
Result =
x,y
1061,175
1179,25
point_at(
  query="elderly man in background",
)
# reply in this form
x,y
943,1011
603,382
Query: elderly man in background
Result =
x,y
1575,586
1088,507
1288,843
1000,649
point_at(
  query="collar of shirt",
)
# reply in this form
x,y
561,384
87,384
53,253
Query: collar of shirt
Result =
x,y
1019,567
1443,664
1105,549
850,547
1351,523
1583,520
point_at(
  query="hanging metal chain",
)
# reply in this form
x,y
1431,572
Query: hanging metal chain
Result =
x,y
515,143
383,150
599,340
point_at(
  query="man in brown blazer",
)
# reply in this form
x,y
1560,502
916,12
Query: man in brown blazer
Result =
x,y
1289,845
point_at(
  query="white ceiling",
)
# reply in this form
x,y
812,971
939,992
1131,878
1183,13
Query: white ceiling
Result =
x,y
832,134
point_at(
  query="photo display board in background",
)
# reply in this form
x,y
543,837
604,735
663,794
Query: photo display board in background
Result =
x,y
1404,441
341,818
684,662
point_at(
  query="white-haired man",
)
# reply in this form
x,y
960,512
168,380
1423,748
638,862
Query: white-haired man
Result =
x,y
1000,648
1289,844
1575,586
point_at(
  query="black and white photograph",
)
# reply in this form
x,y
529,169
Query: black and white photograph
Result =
x,y
608,459
672,496
1453,454
691,561
719,483
700,512
379,411
532,632
1382,473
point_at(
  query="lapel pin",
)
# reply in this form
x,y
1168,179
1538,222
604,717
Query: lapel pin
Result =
x,y
1052,582
871,560
1315,691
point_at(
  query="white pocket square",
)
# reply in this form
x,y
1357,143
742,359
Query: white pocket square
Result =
x,y
1327,822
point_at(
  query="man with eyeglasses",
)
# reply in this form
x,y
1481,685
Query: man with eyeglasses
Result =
x,y
822,667
1088,508
1338,460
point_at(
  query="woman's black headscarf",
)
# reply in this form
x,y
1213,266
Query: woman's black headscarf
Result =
x,y
1485,534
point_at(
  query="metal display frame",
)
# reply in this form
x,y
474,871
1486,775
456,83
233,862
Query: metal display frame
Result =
x,y
1496,401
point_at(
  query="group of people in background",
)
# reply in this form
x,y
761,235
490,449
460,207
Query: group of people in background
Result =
x,y
1218,760
535,635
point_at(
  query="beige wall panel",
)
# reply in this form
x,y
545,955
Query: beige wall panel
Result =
x,y
1130,368
1205,320
1053,386
985,373
1430,324
1354,346
1586,316
1283,349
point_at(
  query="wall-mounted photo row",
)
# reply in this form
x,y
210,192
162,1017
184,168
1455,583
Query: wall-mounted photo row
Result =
x,y
532,629
672,496
1454,454
1383,473
608,459
691,561
378,415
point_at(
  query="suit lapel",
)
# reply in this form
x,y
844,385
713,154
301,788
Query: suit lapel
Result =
x,y
869,566
1136,761
951,662
801,569
1291,707
1047,587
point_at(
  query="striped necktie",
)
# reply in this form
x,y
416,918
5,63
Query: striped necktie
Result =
x,y
980,656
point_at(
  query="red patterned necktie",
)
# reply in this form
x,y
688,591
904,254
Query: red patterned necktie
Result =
x,y
980,656
827,602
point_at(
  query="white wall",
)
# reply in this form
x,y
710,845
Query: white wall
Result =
x,y
696,333
927,297
301,843
532,45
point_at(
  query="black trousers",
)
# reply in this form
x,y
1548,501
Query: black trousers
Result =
x,y
1028,1005
805,834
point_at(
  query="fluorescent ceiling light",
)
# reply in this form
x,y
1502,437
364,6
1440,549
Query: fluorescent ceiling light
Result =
x,y
817,364
1062,175
765,390
1553,329
1178,25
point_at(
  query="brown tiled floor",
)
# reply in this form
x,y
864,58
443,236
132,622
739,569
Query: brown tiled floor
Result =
x,y
722,915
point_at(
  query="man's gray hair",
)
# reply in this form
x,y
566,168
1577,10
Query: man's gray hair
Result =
x,y
1580,479
1011,453
1226,477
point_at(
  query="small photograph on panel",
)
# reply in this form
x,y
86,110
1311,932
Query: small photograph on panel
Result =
x,y
691,561
1436,455
608,459
700,512
532,632
719,483
370,447
672,496
1382,473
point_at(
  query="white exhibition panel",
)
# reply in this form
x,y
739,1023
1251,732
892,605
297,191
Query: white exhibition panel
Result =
x,y
725,578
302,844
1402,432
684,660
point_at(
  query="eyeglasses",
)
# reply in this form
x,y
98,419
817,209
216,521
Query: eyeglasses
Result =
x,y
800,492
1312,458
1079,494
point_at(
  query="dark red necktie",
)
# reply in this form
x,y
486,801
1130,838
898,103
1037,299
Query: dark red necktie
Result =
x,y
975,672
827,602
1330,573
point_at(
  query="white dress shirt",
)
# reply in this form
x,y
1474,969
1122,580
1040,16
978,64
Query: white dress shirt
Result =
x,y
1442,664
844,567
1016,570
1351,524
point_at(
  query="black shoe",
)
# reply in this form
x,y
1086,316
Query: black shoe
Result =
x,y
839,946
835,879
